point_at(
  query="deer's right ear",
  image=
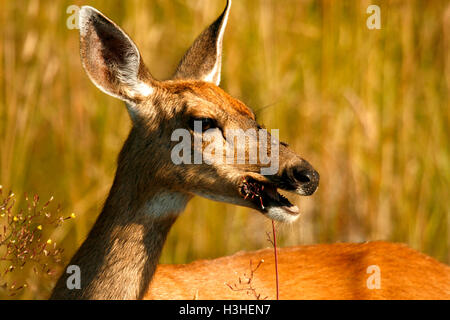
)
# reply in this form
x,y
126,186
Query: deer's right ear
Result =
x,y
203,59
111,60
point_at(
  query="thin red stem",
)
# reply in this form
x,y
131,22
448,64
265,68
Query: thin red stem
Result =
x,y
276,256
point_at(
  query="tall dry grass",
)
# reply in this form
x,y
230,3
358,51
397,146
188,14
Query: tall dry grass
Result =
x,y
368,108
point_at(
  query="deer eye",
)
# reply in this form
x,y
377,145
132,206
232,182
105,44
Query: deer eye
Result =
x,y
206,123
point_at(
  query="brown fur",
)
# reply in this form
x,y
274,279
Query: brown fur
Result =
x,y
325,271
213,94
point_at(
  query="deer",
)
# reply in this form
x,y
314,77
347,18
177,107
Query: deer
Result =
x,y
119,258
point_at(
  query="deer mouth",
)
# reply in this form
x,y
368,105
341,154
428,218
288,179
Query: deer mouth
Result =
x,y
266,198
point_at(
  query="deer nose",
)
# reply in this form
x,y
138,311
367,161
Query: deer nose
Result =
x,y
305,177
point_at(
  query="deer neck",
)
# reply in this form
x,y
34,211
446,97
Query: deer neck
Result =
x,y
119,256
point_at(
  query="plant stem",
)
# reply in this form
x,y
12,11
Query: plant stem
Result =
x,y
276,256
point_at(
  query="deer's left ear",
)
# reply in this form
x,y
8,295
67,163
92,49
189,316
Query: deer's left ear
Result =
x,y
111,59
203,60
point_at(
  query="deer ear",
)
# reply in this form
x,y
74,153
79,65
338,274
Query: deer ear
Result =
x,y
203,60
111,60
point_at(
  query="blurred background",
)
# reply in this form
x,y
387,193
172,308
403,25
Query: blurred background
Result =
x,y
368,108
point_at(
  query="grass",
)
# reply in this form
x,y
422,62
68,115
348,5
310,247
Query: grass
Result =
x,y
368,108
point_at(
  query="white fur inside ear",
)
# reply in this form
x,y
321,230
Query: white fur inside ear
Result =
x,y
214,75
83,18
138,89
144,89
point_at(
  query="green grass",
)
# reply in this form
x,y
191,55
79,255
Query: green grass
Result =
x,y
368,108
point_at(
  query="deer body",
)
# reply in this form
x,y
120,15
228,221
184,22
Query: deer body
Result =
x,y
119,257
324,271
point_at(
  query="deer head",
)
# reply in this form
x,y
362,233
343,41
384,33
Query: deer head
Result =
x,y
163,112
